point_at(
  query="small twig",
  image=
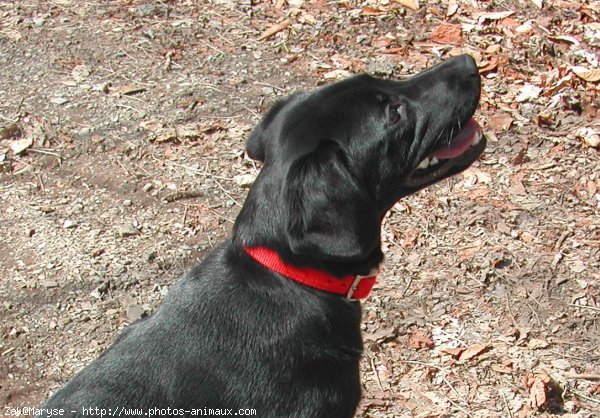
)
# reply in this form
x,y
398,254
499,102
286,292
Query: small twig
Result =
x,y
228,118
42,187
213,47
218,215
19,108
572,357
507,405
410,280
185,211
275,29
228,194
460,408
141,113
546,166
195,171
45,152
251,111
225,39
447,382
376,373
583,376
210,86
456,405
424,364
582,396
562,239
7,352
592,308
510,312
10,121
262,83
123,167
183,194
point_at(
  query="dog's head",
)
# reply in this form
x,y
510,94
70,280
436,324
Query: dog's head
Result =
x,y
342,155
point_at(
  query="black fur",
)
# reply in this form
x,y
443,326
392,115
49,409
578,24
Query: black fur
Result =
x,y
232,334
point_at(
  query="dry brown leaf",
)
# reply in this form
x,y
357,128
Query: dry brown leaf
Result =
x,y
538,3
168,135
537,343
528,92
494,15
475,175
454,352
490,65
592,75
382,334
517,188
447,34
520,157
382,42
411,4
590,136
418,339
336,74
472,352
524,28
538,389
21,145
452,8
499,368
152,125
409,238
126,90
564,38
476,194
500,121
372,11
210,127
204,218
275,29
80,73
341,61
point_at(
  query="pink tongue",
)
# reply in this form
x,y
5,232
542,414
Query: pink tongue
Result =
x,y
459,143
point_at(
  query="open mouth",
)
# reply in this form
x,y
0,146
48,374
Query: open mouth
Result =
x,y
449,158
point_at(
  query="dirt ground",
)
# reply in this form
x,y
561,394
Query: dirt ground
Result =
x,y
122,128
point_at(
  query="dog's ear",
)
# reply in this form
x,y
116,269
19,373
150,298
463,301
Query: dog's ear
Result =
x,y
255,147
329,215
257,142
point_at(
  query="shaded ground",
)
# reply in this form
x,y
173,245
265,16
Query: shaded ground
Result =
x,y
122,146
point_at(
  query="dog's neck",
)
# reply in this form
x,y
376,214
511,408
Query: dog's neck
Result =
x,y
261,224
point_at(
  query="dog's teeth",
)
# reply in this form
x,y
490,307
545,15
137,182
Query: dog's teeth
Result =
x,y
424,164
477,138
433,161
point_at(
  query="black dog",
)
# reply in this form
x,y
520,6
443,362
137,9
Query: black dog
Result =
x,y
237,334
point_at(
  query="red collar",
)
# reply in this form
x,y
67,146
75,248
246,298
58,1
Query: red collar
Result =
x,y
352,287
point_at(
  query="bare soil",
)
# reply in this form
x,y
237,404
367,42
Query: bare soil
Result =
x,y
122,129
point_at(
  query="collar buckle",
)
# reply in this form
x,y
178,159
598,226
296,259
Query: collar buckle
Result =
x,y
354,286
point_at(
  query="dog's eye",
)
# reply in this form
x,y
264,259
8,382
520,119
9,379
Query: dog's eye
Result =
x,y
394,112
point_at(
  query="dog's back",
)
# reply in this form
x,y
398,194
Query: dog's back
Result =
x,y
217,343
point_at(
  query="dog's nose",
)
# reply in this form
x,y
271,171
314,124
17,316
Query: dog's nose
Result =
x,y
463,69
454,82
460,72
462,66
469,64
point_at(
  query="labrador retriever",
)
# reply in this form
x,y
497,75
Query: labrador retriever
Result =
x,y
268,324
